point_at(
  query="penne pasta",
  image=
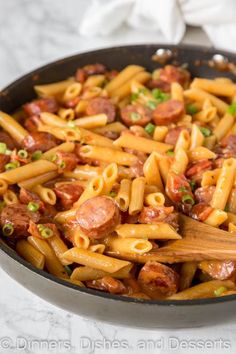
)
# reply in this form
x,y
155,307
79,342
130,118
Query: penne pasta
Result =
x,y
158,231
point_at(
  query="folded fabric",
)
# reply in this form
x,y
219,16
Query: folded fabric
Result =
x,y
168,17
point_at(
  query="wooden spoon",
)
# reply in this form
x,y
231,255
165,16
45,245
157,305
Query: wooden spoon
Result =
x,y
199,242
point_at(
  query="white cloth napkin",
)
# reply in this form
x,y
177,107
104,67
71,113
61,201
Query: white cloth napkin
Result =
x,y
170,17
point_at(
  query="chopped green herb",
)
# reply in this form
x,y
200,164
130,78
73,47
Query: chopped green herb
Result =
x,y
150,128
205,131
36,155
22,154
232,108
12,165
160,96
187,199
226,208
8,152
191,109
8,229
3,148
62,164
45,232
135,116
192,184
170,153
53,158
220,290
134,96
151,104
142,90
182,189
33,207
68,270
112,194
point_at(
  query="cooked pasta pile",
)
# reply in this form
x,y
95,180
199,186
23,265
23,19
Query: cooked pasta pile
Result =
x,y
95,171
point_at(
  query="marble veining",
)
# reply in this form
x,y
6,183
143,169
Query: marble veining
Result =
x,y
33,33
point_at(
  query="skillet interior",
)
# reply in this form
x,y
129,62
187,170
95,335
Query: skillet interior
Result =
x,y
21,91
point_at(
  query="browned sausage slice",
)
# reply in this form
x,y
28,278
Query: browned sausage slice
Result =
x,y
39,141
27,196
7,139
220,270
91,69
204,194
201,211
101,105
4,159
196,170
158,280
108,284
41,105
172,135
19,217
168,112
136,114
153,214
98,217
68,194
172,73
66,161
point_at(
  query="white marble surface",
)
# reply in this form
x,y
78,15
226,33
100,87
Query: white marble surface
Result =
x,y
31,34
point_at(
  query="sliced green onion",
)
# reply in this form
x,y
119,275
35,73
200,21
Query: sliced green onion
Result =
x,y
220,290
23,154
150,128
192,184
160,96
46,232
151,104
12,165
68,270
71,124
7,229
170,153
188,199
205,131
62,164
191,109
3,148
33,207
142,90
134,96
40,227
232,108
36,155
182,189
8,152
135,116
53,158
112,194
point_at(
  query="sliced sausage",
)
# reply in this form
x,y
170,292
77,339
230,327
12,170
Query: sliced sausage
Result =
x,y
91,69
172,73
204,194
201,211
196,170
108,284
40,105
7,139
4,159
136,114
158,280
137,168
19,217
177,186
160,84
227,147
220,270
26,196
168,112
66,161
39,141
68,194
111,74
101,105
173,134
154,214
98,217
31,123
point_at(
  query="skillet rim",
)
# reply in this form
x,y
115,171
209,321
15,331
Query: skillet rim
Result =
x,y
13,255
